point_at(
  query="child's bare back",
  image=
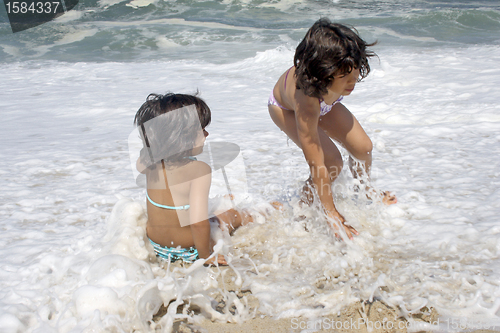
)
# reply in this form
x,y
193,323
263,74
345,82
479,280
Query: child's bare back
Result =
x,y
173,131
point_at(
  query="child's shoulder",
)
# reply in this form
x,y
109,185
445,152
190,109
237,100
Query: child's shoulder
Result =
x,y
198,168
200,164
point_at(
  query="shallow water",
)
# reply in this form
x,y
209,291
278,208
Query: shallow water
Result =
x,y
430,110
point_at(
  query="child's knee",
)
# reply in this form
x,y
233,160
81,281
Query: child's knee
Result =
x,y
368,146
364,150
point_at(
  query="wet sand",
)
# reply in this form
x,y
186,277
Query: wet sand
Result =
x,y
376,317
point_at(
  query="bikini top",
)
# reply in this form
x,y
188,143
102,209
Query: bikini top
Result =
x,y
185,207
325,108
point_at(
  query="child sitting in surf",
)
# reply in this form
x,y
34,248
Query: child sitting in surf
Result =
x,y
173,130
305,104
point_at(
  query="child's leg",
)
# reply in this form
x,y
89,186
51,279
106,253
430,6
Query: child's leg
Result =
x,y
233,219
285,120
341,125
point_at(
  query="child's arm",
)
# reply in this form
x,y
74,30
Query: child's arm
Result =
x,y
198,211
307,118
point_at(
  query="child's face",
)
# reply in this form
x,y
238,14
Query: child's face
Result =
x,y
200,141
344,84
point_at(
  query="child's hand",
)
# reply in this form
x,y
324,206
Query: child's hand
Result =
x,y
341,220
219,258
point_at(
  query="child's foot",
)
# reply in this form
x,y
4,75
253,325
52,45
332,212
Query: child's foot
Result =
x,y
387,198
218,260
263,213
277,205
307,196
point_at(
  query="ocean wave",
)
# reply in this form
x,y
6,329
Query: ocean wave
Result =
x,y
138,30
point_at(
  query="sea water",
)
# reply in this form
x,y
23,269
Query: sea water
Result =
x,y
72,254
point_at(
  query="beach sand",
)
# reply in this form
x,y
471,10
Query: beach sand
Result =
x,y
365,316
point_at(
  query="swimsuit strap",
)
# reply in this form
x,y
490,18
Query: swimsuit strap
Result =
x,y
286,76
185,207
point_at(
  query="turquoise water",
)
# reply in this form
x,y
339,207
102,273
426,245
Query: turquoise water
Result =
x,y
227,31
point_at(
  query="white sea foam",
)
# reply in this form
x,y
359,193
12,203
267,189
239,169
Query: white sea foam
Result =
x,y
73,254
108,3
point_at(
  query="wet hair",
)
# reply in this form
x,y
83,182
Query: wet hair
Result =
x,y
329,49
172,137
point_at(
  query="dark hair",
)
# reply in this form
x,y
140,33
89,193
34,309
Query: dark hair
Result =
x,y
329,49
172,135
157,104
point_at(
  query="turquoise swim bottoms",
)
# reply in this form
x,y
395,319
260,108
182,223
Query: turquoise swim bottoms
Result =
x,y
175,253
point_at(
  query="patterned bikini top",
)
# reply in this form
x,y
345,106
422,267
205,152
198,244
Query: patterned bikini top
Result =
x,y
325,108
